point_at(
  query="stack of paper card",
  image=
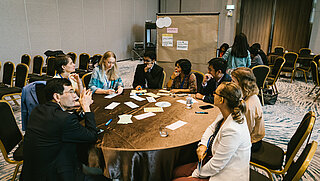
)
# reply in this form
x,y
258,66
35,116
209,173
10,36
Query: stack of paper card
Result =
x,y
152,95
144,115
111,96
137,98
125,119
153,109
131,104
162,94
151,99
176,125
164,91
112,105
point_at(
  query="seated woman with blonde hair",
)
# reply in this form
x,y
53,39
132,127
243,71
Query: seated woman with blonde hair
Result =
x,y
245,78
224,149
182,80
105,78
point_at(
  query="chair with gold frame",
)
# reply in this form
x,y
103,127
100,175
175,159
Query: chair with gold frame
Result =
x,y
275,73
26,59
290,64
261,73
272,157
10,137
199,75
86,79
21,80
315,78
83,61
8,72
296,170
304,52
307,68
73,56
163,79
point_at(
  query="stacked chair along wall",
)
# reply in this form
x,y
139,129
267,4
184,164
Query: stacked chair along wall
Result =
x,y
275,73
37,69
83,64
315,78
279,50
73,56
86,79
199,76
26,59
304,52
290,64
296,169
261,73
21,80
10,137
307,68
8,71
272,157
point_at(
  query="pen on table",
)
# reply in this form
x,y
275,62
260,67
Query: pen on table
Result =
x,y
201,112
107,123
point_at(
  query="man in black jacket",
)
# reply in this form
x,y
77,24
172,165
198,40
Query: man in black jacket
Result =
x,y
53,133
148,75
216,74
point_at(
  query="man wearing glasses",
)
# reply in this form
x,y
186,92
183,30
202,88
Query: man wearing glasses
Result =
x,y
215,76
149,74
53,133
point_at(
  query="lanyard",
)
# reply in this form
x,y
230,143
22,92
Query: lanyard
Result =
x,y
181,85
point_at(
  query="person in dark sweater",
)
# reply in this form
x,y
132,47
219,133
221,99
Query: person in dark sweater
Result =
x,y
215,76
261,53
148,75
53,133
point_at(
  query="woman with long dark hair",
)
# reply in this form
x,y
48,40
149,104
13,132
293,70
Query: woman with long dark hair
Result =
x,y
182,80
238,55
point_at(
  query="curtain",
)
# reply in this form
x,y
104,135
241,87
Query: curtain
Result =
x,y
256,21
292,28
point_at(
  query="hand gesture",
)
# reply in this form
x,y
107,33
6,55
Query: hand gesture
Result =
x,y
120,90
201,152
75,77
86,100
149,65
110,91
207,77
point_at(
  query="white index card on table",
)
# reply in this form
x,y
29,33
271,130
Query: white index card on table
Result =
x,y
125,119
182,101
112,105
131,104
110,96
151,99
137,98
144,115
176,125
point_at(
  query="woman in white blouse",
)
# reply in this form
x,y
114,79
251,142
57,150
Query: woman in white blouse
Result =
x,y
245,78
224,149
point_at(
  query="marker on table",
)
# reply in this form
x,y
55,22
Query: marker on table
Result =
x,y
107,123
201,112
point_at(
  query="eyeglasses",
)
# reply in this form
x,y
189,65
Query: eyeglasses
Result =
x,y
71,91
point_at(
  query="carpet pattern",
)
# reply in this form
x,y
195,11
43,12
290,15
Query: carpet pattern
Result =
x,y
281,119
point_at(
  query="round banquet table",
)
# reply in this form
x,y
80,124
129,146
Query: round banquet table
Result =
x,y
137,151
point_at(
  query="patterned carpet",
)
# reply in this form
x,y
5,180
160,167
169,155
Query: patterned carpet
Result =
x,y
281,119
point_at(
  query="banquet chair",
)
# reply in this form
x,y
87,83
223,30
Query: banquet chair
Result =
x,y
37,65
73,56
315,78
304,52
275,73
163,79
279,50
26,59
297,168
272,156
290,64
307,68
50,72
7,77
86,79
261,73
10,137
83,61
21,80
199,75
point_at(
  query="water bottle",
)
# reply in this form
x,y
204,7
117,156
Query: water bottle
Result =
x,y
189,101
